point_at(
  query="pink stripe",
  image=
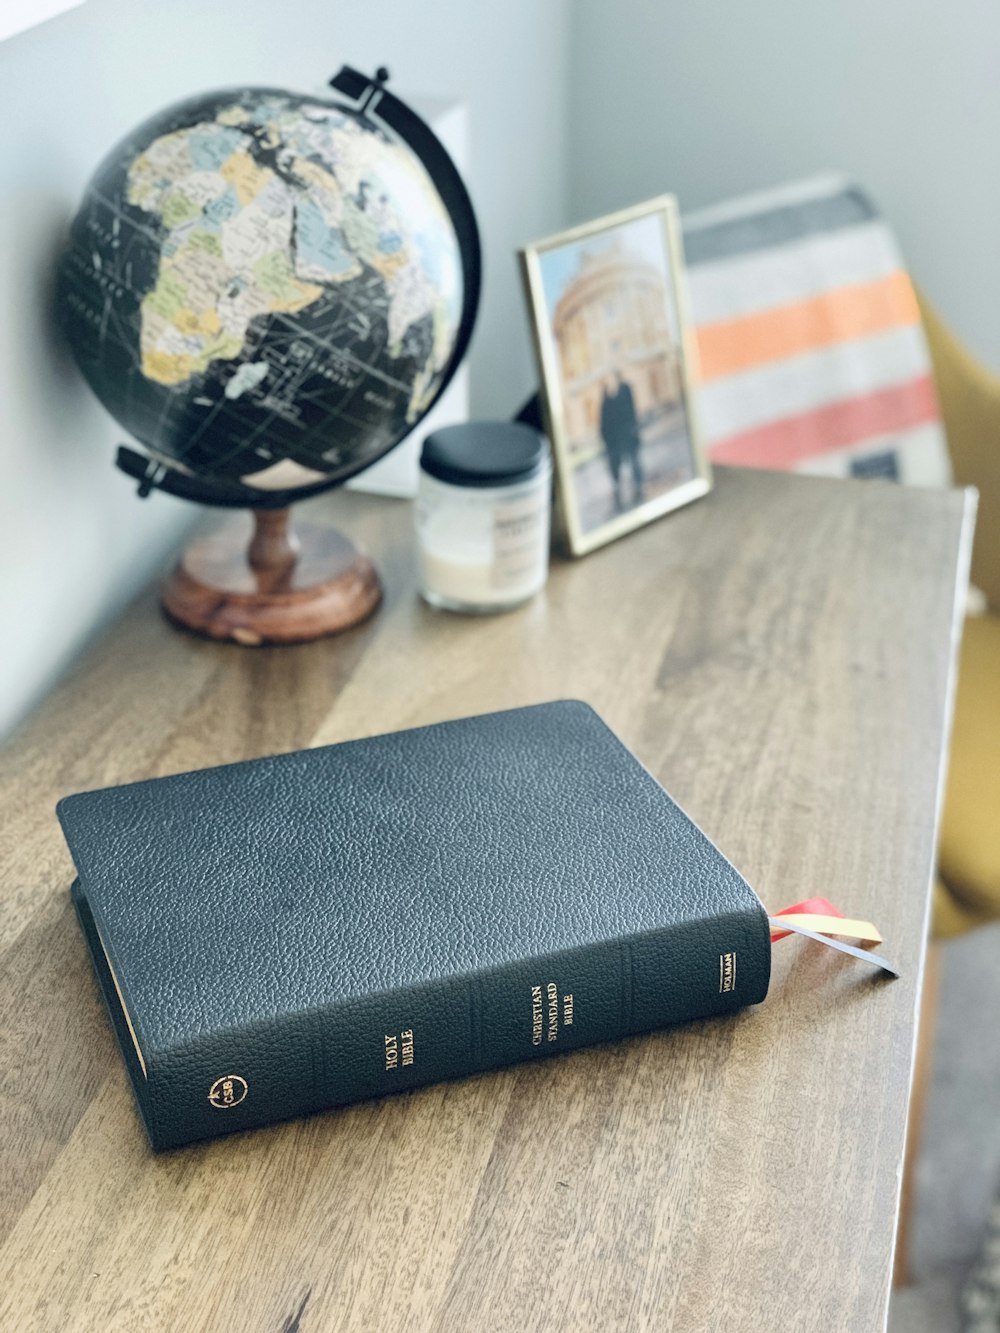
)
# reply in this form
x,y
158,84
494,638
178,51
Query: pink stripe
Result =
x,y
782,444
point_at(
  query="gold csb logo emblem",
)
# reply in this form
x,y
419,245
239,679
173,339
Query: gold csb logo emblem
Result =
x,y
227,1091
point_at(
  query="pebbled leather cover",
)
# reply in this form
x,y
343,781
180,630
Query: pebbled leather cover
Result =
x,y
301,931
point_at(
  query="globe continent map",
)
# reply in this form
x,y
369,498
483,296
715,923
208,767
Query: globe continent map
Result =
x,y
263,288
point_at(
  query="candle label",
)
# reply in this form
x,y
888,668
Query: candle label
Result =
x,y
520,542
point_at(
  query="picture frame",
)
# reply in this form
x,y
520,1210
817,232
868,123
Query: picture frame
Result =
x,y
617,360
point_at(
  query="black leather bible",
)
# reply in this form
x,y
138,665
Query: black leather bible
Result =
x,y
288,934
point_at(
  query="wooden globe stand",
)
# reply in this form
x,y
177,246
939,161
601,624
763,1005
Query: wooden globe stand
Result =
x,y
281,588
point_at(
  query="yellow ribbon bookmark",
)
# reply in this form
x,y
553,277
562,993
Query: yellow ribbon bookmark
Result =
x,y
830,925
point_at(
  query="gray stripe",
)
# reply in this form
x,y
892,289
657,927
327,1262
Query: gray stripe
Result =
x,y
778,226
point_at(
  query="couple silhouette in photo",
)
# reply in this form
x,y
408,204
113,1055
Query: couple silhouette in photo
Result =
x,y
622,441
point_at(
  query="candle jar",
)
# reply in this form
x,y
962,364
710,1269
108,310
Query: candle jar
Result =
x,y
483,508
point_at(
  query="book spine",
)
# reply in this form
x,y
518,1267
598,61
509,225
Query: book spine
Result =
x,y
455,1026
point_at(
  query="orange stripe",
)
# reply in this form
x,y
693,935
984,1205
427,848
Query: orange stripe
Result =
x,y
783,444
836,316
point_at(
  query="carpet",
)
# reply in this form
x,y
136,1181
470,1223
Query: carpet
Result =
x,y
981,1293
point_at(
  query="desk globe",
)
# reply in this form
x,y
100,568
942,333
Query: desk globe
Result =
x,y
269,291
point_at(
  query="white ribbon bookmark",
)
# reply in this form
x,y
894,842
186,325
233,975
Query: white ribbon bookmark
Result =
x,y
789,923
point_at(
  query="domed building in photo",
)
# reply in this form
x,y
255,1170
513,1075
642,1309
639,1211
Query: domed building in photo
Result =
x,y
613,315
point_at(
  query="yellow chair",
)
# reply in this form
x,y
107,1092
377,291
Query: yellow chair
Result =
x,y
968,890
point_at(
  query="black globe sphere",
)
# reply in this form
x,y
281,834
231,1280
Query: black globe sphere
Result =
x,y
267,290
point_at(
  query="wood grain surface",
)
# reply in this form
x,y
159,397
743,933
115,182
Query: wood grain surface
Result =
x,y
779,654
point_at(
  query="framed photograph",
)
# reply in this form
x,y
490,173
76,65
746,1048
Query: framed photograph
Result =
x,y
615,354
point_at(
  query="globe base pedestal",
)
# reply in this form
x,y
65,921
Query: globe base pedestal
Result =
x,y
283,587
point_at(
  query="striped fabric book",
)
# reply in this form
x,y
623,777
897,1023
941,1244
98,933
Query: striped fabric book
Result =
x,y
812,355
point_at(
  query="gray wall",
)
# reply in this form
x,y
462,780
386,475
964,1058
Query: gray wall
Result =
x,y
74,541
712,98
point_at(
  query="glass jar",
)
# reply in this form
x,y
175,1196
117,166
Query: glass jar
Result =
x,y
483,507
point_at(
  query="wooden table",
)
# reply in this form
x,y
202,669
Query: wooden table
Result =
x,y
781,656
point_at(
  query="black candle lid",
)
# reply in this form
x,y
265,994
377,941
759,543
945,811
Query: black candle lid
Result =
x,y
484,453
